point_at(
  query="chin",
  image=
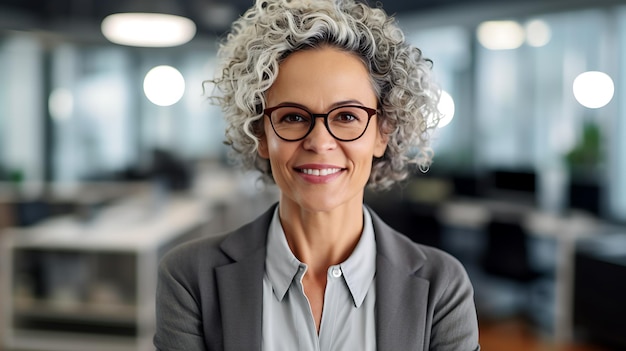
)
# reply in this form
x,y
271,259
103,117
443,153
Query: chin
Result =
x,y
322,203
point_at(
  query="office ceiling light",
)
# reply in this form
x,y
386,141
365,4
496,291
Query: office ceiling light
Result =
x,y
500,35
538,33
593,89
164,85
61,104
149,24
446,108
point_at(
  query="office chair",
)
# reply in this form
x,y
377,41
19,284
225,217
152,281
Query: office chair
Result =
x,y
507,254
507,258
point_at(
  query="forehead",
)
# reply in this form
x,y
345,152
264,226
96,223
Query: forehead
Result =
x,y
320,77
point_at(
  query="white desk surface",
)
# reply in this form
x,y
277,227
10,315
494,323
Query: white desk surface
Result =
x,y
78,192
474,214
136,224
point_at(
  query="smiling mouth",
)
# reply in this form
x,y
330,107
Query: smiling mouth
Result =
x,y
319,172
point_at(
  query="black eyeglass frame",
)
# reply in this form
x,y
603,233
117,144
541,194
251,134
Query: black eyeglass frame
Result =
x,y
370,112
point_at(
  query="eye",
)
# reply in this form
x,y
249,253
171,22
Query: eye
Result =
x,y
345,116
294,118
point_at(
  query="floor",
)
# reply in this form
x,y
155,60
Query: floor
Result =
x,y
514,335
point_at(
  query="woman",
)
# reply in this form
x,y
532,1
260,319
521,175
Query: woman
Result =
x,y
325,98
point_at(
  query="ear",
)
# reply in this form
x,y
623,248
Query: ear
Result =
x,y
262,149
382,139
259,130
380,145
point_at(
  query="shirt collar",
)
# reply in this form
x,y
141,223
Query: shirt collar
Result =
x,y
281,266
358,270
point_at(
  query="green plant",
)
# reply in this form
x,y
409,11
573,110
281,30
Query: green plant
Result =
x,y
587,153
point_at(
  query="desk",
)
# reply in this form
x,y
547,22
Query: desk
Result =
x,y
100,275
565,230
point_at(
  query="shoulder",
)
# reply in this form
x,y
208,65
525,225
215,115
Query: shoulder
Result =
x,y
440,263
213,250
440,268
190,264
195,252
426,262
446,275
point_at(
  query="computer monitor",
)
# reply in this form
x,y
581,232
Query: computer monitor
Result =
x,y
512,184
585,196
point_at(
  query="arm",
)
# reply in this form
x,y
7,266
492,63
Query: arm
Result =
x,y
178,313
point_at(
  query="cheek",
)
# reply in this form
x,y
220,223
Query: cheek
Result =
x,y
375,144
280,152
361,154
275,149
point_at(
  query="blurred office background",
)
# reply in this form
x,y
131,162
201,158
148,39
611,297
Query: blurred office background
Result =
x,y
110,154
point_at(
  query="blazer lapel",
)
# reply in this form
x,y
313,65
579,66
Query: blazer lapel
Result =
x,y
401,309
401,297
240,285
241,301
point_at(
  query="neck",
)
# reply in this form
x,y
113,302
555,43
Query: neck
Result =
x,y
322,238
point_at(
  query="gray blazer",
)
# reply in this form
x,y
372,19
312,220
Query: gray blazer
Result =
x,y
210,294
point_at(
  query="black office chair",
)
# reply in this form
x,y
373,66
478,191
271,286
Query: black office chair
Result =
x,y
507,258
506,253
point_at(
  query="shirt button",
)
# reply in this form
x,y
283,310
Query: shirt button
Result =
x,y
336,272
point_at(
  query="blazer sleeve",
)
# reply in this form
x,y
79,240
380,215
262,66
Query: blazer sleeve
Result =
x,y
454,324
178,312
187,311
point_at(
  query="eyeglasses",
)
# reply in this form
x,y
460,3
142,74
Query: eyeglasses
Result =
x,y
344,123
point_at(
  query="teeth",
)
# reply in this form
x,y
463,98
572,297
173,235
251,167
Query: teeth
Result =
x,y
320,172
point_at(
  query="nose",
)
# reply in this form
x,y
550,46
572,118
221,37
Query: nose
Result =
x,y
319,139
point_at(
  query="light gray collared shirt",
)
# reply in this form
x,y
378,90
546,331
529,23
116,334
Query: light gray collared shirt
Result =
x,y
348,317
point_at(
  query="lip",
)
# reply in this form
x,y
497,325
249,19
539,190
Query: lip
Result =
x,y
319,173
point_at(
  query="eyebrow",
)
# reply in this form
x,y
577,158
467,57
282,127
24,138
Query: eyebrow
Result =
x,y
333,105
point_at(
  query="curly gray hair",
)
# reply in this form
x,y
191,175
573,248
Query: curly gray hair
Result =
x,y
272,29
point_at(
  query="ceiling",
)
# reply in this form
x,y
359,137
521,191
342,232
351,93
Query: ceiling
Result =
x,y
80,19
